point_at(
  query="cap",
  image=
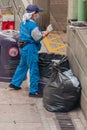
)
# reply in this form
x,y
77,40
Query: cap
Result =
x,y
31,8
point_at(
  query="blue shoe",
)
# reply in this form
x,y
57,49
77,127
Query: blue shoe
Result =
x,y
14,87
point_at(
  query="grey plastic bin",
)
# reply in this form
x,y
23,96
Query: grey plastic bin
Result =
x,y
9,55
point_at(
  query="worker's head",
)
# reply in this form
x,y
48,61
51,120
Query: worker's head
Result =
x,y
33,8
32,12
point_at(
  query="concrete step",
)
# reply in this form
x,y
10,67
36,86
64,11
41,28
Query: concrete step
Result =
x,y
77,40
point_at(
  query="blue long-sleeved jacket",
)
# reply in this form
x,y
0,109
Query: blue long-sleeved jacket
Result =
x,y
30,32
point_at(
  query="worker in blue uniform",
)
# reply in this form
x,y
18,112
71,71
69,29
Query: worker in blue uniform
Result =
x,y
29,44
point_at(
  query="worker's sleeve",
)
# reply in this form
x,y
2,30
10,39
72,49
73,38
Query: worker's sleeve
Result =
x,y
36,34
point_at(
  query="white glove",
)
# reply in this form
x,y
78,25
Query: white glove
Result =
x,y
49,28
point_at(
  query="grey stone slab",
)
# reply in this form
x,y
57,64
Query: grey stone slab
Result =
x,y
4,96
7,126
77,41
4,84
49,114
29,126
72,61
25,114
82,118
5,114
78,124
77,69
84,105
20,97
46,119
57,124
73,114
52,124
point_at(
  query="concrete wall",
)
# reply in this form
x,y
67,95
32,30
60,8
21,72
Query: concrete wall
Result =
x,y
77,55
58,11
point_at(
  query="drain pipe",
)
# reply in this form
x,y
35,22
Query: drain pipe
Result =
x,y
82,11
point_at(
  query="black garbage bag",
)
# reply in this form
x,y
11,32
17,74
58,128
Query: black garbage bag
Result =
x,y
42,83
62,93
45,63
45,67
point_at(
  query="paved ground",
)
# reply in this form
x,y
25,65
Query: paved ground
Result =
x,y
55,42
18,111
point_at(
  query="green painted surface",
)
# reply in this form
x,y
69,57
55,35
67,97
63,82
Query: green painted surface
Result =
x,y
72,9
82,10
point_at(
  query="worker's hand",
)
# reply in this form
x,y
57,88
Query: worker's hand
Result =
x,y
45,33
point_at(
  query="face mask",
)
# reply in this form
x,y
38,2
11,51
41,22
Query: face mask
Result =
x,y
37,17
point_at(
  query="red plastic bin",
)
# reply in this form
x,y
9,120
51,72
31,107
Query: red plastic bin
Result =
x,y
8,25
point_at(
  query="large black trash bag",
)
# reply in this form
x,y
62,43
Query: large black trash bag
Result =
x,y
62,93
45,63
42,83
45,67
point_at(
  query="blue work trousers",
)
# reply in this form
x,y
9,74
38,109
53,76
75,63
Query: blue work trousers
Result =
x,y
28,60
